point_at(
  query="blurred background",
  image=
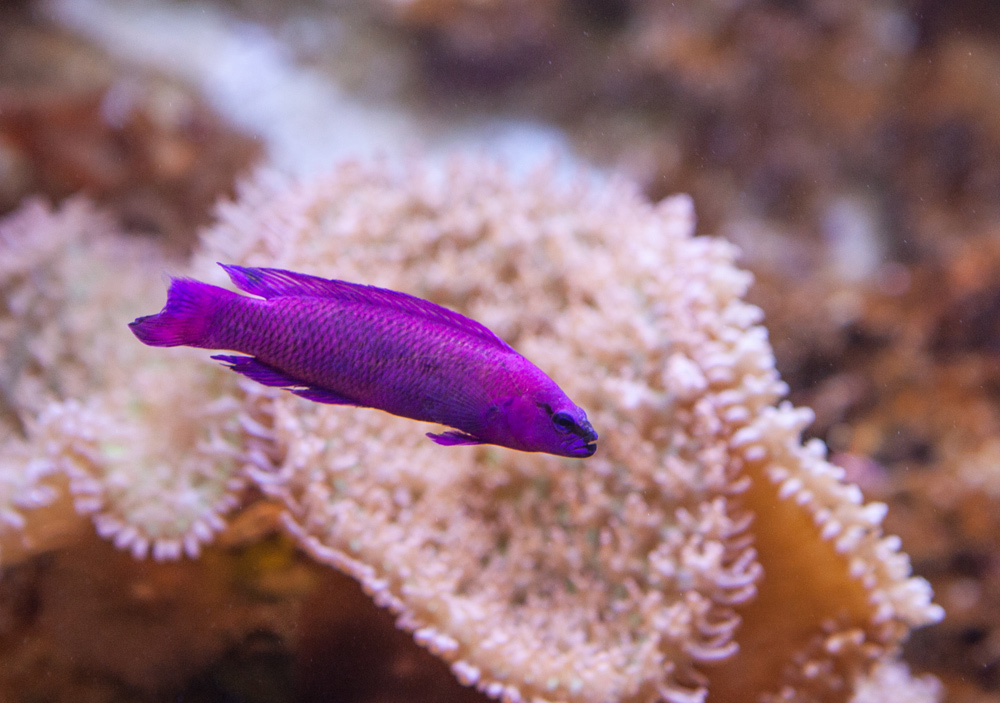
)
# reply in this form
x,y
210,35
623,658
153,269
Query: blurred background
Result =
x,y
851,149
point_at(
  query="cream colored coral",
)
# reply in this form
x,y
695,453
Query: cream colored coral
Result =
x,y
891,682
152,444
39,279
704,551
156,469
616,578
25,486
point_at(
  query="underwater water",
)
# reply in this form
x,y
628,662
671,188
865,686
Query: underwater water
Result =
x,y
169,532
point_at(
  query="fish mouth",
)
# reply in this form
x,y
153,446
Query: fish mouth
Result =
x,y
580,451
581,443
589,437
585,448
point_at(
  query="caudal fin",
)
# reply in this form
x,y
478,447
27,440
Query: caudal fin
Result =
x,y
185,319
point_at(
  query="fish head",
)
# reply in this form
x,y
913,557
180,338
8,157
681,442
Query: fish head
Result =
x,y
554,425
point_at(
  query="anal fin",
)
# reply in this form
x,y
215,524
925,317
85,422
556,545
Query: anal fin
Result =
x,y
453,438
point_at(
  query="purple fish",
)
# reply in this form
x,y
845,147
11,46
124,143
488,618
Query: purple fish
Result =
x,y
349,344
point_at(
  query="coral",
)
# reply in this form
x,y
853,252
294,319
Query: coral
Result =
x,y
31,518
301,119
151,445
121,455
479,44
73,122
625,577
728,101
46,355
907,381
22,483
47,342
704,552
891,681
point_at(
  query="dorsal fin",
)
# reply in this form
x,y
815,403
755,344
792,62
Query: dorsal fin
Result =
x,y
277,283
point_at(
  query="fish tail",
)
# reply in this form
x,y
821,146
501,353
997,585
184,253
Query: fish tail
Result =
x,y
186,318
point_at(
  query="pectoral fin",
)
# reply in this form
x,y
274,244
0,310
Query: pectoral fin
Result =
x,y
453,438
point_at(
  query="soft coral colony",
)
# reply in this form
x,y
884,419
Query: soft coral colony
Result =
x,y
703,552
151,453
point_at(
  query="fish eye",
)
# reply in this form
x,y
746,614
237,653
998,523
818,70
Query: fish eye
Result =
x,y
563,422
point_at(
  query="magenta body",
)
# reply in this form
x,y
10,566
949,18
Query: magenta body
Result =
x,y
343,343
